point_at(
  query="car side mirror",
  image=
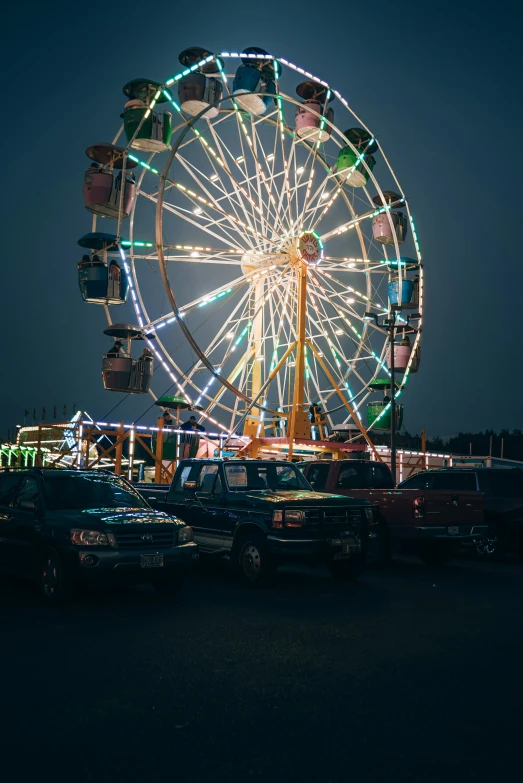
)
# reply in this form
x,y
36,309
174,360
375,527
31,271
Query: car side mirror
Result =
x,y
28,505
190,486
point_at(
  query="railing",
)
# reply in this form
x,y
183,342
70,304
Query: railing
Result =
x,y
112,445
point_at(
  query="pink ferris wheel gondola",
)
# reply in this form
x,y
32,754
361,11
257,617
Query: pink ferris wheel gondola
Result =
x,y
314,116
105,180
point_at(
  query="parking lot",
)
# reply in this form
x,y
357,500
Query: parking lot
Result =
x,y
409,674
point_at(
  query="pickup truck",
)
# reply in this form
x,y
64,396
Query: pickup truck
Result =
x,y
431,521
502,492
258,513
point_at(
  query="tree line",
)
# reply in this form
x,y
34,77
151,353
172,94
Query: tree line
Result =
x,y
506,442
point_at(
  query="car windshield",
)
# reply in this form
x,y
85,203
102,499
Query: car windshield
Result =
x,y
248,476
88,491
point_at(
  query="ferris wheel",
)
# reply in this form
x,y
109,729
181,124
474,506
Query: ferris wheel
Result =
x,y
257,235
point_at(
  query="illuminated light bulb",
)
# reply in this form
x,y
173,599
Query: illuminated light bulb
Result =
x,y
271,156
338,331
197,210
240,159
195,255
300,170
214,177
325,196
350,301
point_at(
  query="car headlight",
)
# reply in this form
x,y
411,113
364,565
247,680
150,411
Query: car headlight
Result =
x,y
369,514
277,519
294,518
185,534
91,538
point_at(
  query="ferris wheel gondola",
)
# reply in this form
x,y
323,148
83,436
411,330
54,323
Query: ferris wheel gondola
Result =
x,y
259,238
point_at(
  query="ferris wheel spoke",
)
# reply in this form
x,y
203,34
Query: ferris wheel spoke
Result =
x,y
270,203
190,217
219,166
321,325
264,224
287,162
195,199
320,200
239,189
309,165
201,204
214,401
243,164
352,264
323,318
202,217
240,182
350,224
274,212
349,295
235,342
276,342
342,312
199,178
229,330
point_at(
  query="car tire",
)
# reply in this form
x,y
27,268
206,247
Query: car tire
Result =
x,y
347,570
169,584
436,555
253,562
54,583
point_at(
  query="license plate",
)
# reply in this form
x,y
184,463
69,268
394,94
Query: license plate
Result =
x,y
349,546
151,561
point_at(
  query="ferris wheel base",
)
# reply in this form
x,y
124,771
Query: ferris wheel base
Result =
x,y
265,448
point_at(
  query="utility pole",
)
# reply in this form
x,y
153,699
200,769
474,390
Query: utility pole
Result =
x,y
392,331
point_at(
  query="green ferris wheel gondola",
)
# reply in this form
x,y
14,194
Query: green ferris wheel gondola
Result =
x,y
354,165
171,440
144,128
174,403
379,419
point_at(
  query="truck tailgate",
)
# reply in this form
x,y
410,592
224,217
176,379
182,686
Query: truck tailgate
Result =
x,y
439,507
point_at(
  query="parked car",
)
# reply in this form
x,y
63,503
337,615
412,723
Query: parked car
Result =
x,y
63,528
502,491
259,513
429,521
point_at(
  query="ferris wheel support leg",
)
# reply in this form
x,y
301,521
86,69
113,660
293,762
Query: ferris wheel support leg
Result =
x,y
120,435
252,424
270,377
159,452
299,426
340,394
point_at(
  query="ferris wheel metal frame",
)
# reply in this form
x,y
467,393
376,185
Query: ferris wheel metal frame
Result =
x,y
310,278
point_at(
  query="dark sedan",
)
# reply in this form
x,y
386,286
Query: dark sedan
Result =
x,y
64,528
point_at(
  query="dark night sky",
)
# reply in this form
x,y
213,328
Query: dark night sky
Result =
x,y
440,88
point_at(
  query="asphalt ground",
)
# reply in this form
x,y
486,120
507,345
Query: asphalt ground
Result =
x,y
411,674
